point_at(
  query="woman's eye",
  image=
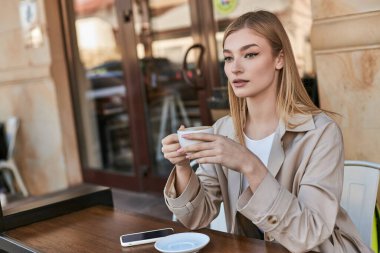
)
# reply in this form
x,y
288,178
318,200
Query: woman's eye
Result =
x,y
251,55
227,58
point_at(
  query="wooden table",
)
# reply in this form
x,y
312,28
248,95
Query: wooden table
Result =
x,y
97,229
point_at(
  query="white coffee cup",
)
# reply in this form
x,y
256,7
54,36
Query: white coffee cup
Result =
x,y
190,130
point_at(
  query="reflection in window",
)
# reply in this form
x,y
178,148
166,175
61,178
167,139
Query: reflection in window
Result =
x,y
101,89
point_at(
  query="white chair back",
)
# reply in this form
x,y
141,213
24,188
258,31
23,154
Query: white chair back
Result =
x,y
219,223
11,129
360,185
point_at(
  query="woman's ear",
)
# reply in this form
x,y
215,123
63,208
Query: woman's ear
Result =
x,y
280,60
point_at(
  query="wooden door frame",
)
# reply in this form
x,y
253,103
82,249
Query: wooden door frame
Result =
x,y
91,175
136,98
203,31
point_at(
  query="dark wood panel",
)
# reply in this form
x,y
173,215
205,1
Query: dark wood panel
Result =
x,y
134,85
111,179
97,229
51,205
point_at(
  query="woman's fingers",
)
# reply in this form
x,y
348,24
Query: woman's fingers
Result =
x,y
210,149
209,141
196,147
174,157
181,160
171,155
213,160
170,139
202,154
201,137
170,147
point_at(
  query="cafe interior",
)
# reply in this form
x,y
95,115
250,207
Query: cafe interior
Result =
x,y
88,89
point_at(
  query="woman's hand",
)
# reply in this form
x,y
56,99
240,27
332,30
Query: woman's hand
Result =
x,y
170,147
221,150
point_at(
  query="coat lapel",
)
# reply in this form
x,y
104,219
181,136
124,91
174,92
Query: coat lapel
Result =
x,y
277,156
234,181
235,184
301,123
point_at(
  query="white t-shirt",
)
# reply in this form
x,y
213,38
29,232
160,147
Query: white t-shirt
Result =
x,y
261,148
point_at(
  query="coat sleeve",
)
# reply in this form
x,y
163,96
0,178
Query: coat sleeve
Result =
x,y
199,204
301,222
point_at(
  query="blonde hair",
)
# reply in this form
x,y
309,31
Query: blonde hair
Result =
x,y
292,97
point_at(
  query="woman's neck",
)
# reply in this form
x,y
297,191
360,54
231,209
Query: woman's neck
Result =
x,y
262,118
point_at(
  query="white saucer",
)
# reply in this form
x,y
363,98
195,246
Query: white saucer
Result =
x,y
182,242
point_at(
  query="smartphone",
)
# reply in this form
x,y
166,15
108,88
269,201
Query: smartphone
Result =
x,y
144,237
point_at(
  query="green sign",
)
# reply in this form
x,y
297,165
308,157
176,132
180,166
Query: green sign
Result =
x,y
225,7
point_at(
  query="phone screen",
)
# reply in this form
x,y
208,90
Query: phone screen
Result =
x,y
146,235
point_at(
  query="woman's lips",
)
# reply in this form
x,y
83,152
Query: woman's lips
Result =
x,y
239,83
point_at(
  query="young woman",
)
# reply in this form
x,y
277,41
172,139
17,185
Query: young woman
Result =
x,y
276,163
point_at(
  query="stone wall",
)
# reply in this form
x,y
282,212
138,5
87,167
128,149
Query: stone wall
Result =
x,y
346,42
29,90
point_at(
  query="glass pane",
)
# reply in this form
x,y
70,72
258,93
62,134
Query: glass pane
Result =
x,y
101,90
170,101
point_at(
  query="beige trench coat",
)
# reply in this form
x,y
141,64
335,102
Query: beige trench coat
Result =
x,y
297,203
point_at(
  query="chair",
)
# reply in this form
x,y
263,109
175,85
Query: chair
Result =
x,y
11,128
219,223
360,185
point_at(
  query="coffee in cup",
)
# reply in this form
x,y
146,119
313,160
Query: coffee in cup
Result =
x,y
191,130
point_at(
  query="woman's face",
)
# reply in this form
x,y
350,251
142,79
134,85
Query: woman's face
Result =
x,y
250,65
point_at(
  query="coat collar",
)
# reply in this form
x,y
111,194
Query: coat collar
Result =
x,y
301,123
296,123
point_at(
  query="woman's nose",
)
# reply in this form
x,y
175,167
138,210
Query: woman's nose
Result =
x,y
236,67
